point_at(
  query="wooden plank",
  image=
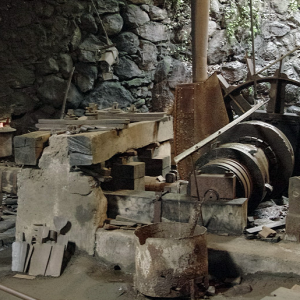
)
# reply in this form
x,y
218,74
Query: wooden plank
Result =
x,y
28,147
50,127
270,225
85,122
96,147
55,261
19,254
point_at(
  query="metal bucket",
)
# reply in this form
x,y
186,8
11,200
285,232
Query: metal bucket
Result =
x,y
167,259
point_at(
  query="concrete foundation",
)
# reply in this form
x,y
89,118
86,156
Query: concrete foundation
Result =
x,y
55,190
219,216
228,256
116,248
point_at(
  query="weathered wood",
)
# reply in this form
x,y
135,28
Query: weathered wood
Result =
x,y
272,224
96,147
134,117
104,127
84,122
29,147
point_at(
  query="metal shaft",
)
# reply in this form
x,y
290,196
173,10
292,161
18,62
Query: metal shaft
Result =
x,y
200,18
15,293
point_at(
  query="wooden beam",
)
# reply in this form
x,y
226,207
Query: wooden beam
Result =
x,y
29,147
96,147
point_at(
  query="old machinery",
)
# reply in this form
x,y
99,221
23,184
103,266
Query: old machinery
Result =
x,y
258,154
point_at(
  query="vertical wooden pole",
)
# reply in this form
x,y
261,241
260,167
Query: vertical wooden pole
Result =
x,y
200,18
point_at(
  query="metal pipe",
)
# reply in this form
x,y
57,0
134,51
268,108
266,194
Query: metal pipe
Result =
x,y
200,18
15,293
277,60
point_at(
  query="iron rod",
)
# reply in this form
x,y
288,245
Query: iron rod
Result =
x,y
66,94
213,136
277,60
15,293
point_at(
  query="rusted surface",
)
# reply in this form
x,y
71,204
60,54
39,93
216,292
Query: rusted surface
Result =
x,y
199,111
275,145
167,259
223,185
236,156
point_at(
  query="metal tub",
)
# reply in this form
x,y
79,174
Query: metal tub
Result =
x,y
168,260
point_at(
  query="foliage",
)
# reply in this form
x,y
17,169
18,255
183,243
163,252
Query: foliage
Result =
x,y
238,19
294,5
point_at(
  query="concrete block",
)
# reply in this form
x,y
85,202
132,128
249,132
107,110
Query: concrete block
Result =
x,y
222,217
225,216
132,170
123,244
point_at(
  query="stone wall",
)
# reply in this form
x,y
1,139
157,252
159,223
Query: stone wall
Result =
x,y
42,40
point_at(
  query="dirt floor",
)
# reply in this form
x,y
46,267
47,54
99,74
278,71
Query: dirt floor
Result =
x,y
85,278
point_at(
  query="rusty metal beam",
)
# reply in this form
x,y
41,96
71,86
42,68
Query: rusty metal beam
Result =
x,y
210,138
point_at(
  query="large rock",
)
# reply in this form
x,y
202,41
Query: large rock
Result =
x,y
269,52
127,42
111,6
218,48
163,98
53,190
88,24
74,98
157,14
17,76
22,103
127,69
149,2
180,74
88,49
134,16
53,89
113,24
274,29
49,66
280,6
234,71
163,68
65,64
85,76
153,32
148,56
108,92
